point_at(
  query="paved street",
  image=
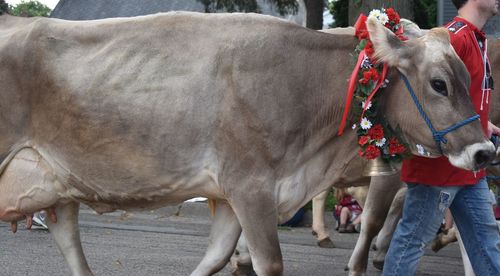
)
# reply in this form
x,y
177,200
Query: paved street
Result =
x,y
162,243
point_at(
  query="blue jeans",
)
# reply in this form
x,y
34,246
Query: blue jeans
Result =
x,y
423,213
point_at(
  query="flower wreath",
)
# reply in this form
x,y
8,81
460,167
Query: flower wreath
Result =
x,y
375,137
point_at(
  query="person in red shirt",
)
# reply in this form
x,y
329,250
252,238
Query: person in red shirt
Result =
x,y
435,185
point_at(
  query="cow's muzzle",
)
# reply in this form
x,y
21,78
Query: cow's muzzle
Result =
x,y
474,157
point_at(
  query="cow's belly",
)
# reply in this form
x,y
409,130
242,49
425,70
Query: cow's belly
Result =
x,y
151,196
33,180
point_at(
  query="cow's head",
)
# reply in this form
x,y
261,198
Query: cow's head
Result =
x,y
440,81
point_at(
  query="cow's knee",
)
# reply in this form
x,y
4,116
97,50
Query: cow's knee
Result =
x,y
276,268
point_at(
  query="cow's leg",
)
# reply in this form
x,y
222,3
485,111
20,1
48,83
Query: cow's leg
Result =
x,y
223,237
258,217
241,262
66,234
385,234
318,221
443,239
380,195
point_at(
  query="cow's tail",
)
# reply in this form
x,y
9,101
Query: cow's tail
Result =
x,y
212,204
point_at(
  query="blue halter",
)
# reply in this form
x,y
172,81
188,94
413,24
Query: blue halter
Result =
x,y
437,135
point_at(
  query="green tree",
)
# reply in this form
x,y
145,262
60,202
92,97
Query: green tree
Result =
x,y
29,9
423,12
314,8
426,13
340,12
4,7
403,7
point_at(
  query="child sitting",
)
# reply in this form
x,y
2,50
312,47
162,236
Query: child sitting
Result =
x,y
347,212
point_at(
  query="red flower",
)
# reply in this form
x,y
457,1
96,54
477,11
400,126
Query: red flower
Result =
x,y
360,26
363,140
395,147
362,34
363,81
371,74
369,49
371,152
376,132
374,74
393,16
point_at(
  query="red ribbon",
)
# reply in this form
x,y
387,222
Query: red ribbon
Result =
x,y
362,33
350,91
380,82
360,27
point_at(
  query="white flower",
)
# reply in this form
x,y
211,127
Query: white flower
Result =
x,y
365,123
420,149
354,126
385,83
375,13
364,105
366,64
383,18
380,142
379,15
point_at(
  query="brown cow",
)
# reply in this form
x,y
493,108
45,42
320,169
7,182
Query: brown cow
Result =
x,y
137,113
379,197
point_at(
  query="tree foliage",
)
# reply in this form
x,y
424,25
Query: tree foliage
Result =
x,y
4,7
30,8
284,6
423,12
340,11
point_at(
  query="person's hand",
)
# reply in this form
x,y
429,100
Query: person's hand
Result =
x,y
493,129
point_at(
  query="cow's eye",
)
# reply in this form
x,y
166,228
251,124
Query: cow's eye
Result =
x,y
439,86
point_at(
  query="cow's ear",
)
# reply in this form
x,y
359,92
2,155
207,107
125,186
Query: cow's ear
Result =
x,y
439,34
410,29
388,47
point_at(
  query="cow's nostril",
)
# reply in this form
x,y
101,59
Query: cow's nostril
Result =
x,y
483,158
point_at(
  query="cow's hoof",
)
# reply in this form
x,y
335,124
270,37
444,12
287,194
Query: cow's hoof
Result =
x,y
436,244
378,265
326,243
244,270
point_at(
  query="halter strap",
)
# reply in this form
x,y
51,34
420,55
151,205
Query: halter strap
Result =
x,y
437,135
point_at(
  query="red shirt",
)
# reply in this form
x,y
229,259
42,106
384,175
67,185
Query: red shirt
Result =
x,y
350,203
470,45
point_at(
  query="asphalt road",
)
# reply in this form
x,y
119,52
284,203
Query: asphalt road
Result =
x,y
163,243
